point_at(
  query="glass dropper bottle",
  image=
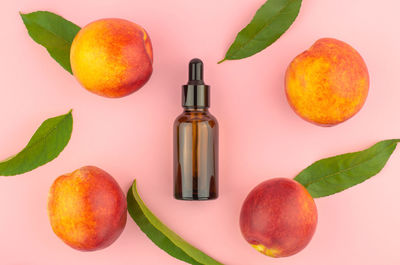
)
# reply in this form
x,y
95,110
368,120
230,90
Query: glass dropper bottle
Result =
x,y
195,141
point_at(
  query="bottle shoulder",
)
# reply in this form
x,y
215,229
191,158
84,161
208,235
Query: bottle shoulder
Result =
x,y
196,116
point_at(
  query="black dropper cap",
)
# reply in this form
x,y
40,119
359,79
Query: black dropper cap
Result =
x,y
195,93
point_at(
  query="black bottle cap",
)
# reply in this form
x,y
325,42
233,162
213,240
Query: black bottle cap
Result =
x,y
195,93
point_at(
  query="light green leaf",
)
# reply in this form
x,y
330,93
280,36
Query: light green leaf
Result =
x,y
334,174
54,33
161,235
271,20
46,144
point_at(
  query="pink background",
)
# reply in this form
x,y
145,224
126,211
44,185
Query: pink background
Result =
x,y
260,136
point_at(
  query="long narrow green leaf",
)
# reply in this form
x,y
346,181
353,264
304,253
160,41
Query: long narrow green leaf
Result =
x,y
271,20
54,33
46,144
334,174
161,235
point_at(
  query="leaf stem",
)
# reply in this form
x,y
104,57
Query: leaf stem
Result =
x,y
223,60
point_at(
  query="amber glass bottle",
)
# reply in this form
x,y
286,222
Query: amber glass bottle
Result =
x,y
195,141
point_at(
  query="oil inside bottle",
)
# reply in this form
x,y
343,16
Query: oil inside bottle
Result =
x,y
195,141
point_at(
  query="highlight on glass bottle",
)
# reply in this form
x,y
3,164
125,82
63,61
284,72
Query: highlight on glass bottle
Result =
x,y
195,141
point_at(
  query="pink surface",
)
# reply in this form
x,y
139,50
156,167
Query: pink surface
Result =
x,y
260,136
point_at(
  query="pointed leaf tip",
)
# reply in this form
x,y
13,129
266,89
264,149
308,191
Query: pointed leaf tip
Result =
x,y
161,235
335,174
52,32
271,20
45,145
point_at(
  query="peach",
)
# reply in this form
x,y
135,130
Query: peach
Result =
x,y
112,57
278,217
87,209
328,83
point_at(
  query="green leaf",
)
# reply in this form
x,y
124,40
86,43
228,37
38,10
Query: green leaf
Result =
x,y
334,174
54,33
271,20
45,145
161,235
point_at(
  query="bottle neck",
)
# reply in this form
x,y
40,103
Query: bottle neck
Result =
x,y
195,109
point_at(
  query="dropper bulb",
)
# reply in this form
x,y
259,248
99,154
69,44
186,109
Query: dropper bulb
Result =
x,y
195,93
196,70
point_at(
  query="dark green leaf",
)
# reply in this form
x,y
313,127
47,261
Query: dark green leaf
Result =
x,y
269,23
45,145
334,174
161,235
54,33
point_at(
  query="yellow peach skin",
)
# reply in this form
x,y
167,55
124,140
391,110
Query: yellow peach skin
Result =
x,y
328,83
112,57
87,209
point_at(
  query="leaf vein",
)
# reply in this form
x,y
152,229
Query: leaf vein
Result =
x,y
314,180
266,24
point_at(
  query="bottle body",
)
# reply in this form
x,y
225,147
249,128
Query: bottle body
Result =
x,y
196,155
